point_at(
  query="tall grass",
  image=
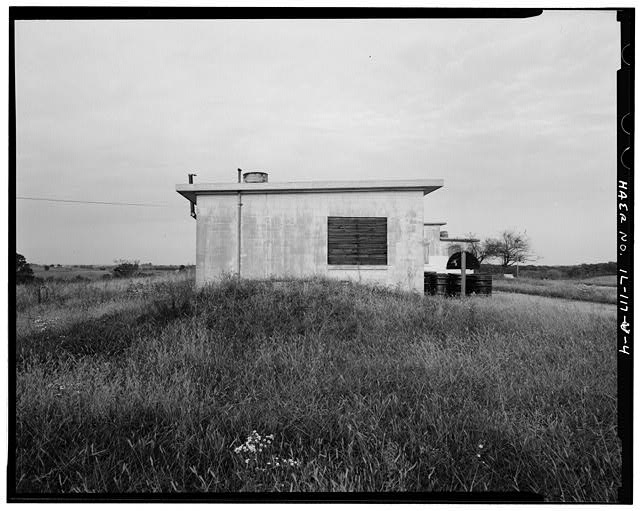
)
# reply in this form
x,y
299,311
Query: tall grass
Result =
x,y
601,280
363,389
567,289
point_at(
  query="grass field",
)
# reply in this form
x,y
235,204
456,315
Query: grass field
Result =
x,y
87,272
597,289
148,385
602,280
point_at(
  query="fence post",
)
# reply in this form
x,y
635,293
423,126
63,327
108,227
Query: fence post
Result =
x,y
463,279
43,294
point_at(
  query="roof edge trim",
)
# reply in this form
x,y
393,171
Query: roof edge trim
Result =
x,y
191,191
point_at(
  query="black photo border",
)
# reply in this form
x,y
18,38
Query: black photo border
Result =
x,y
624,225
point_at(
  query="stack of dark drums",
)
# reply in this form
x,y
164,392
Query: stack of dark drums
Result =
x,y
479,284
449,284
435,283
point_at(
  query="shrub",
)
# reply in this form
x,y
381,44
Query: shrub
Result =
x,y
24,273
125,268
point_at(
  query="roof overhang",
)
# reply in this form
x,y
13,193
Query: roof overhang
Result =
x,y
461,240
191,191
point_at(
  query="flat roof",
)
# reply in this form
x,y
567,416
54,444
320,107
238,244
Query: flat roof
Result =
x,y
470,240
191,191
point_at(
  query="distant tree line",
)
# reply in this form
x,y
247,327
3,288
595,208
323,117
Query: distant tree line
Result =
x,y
499,255
578,271
126,268
123,268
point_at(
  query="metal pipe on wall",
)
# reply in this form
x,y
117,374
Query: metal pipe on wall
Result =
x,y
463,274
239,223
193,206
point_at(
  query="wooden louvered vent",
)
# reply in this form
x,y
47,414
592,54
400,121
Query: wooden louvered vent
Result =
x,y
357,240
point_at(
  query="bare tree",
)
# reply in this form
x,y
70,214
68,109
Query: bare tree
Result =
x,y
509,248
477,248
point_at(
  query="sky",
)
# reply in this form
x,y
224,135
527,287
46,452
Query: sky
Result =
x,y
518,117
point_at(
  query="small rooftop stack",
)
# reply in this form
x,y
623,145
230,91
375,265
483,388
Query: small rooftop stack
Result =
x,y
255,177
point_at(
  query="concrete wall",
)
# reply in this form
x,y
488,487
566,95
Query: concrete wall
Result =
x,y
285,235
439,250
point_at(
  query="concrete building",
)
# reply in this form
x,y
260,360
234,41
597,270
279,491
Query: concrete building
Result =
x,y
369,231
439,248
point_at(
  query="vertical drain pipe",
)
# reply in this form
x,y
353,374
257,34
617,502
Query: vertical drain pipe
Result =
x,y
239,220
193,206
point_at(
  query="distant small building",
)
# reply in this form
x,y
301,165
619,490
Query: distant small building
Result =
x,y
370,231
439,248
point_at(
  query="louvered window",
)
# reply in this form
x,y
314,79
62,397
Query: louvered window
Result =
x,y
357,240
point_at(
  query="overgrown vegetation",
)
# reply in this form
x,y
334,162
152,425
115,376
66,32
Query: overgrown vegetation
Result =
x,y
149,385
60,274
577,271
24,273
570,290
124,268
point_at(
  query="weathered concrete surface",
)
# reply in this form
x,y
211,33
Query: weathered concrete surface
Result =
x,y
216,237
285,235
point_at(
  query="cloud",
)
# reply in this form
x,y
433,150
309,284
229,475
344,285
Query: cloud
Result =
x,y
516,115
